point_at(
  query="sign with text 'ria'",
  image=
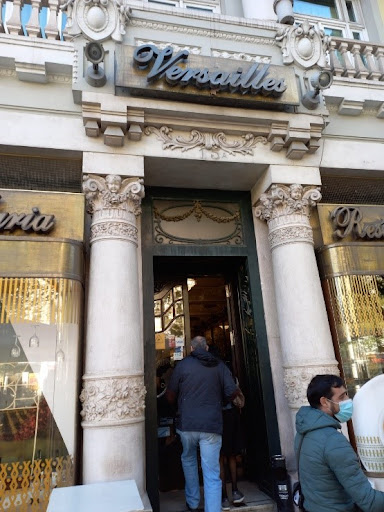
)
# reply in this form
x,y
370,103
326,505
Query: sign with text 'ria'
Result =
x,y
148,71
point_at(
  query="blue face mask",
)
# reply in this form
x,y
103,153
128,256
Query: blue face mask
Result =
x,y
346,410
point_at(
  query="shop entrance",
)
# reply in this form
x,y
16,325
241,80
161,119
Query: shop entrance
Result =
x,y
189,303
200,277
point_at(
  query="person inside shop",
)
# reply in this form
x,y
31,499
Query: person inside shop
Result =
x,y
200,383
330,474
232,443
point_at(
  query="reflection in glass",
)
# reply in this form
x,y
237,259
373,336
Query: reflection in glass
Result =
x,y
179,307
178,292
38,408
358,315
157,307
322,8
168,317
167,301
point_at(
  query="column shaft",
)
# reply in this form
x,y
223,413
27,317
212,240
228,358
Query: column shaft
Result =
x,y
303,323
113,390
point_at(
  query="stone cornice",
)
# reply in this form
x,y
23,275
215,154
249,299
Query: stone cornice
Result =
x,y
182,13
37,60
122,120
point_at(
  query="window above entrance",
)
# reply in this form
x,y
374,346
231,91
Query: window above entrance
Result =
x,y
192,5
340,18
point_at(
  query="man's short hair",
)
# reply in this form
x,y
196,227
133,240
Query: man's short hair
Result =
x,y
321,385
198,342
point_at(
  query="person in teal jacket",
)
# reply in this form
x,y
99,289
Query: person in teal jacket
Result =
x,y
330,474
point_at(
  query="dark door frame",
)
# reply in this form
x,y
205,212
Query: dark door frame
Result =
x,y
265,406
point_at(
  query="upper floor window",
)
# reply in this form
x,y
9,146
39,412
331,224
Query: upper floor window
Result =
x,y
202,6
340,18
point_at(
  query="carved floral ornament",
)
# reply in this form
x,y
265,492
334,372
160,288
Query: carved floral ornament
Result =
x,y
97,20
283,200
212,142
305,44
117,400
113,193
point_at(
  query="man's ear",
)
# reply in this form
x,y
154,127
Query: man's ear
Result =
x,y
207,347
324,402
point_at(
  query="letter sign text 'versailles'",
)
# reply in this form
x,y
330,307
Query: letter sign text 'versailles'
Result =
x,y
255,80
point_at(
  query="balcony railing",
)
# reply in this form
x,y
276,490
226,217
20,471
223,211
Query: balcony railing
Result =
x,y
356,59
33,18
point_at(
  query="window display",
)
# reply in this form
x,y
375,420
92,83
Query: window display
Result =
x,y
39,363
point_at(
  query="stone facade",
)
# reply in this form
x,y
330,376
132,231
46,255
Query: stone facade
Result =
x,y
280,155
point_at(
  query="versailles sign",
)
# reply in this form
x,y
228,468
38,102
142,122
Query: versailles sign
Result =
x,y
149,71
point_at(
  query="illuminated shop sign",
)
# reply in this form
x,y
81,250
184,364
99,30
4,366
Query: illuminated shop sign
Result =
x,y
31,221
149,71
349,220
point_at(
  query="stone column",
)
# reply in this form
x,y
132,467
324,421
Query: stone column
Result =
x,y
303,323
113,385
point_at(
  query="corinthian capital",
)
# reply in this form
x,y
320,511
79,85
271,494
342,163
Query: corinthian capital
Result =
x,y
283,200
113,193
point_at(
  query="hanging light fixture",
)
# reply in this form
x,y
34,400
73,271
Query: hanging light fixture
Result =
x,y
16,349
34,341
60,356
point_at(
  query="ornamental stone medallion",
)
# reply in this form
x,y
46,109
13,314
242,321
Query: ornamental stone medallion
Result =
x,y
304,44
97,20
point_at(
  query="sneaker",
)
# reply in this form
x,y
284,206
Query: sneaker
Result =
x,y
237,497
225,505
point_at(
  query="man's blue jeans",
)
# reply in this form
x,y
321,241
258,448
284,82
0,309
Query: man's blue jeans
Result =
x,y
210,445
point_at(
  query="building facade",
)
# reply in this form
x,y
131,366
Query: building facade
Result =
x,y
172,168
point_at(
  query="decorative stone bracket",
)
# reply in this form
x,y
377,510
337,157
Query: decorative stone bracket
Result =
x,y
297,135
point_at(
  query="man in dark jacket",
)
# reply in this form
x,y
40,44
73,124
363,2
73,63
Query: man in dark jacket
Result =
x,y
330,474
201,383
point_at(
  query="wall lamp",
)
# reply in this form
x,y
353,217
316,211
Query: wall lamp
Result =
x,y
95,75
319,81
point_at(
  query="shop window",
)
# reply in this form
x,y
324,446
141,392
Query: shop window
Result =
x,y
39,350
357,312
344,17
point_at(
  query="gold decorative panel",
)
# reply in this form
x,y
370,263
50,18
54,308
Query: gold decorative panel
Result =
x,y
40,300
356,308
26,486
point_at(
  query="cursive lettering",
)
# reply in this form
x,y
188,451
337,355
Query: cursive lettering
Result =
x,y
349,219
35,221
253,81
